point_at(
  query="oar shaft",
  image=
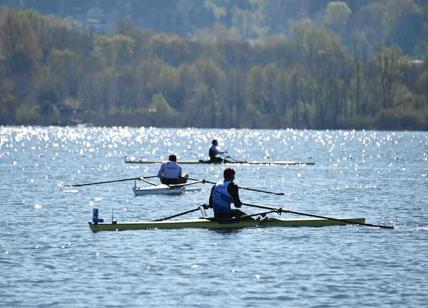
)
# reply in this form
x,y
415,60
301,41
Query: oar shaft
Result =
x,y
179,214
184,184
341,220
145,181
245,188
262,191
261,206
204,181
112,181
317,216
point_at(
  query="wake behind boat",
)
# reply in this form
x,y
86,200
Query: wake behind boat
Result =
x,y
135,160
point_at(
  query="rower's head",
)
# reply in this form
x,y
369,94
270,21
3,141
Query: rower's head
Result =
x,y
214,142
172,157
229,174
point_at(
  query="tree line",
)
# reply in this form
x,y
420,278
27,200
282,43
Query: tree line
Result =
x,y
55,72
401,23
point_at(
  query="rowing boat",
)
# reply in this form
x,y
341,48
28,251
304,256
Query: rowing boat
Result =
x,y
209,223
162,189
130,160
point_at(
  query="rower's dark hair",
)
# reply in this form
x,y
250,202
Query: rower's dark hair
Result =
x,y
229,174
172,157
214,141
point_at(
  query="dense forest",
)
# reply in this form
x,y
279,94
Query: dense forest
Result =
x,y
247,63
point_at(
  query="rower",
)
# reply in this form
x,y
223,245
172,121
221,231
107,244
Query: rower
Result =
x,y
223,194
213,152
170,172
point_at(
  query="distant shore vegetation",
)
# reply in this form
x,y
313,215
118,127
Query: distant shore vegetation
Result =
x,y
54,72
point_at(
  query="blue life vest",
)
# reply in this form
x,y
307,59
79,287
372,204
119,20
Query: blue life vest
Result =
x,y
221,199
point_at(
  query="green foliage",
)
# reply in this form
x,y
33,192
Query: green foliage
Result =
x,y
399,119
160,105
337,15
19,45
403,23
54,72
26,114
374,22
114,50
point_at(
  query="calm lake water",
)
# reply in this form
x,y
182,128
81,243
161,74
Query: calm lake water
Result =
x,y
49,256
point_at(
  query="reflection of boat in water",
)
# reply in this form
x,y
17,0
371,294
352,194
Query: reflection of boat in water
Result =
x,y
133,160
211,223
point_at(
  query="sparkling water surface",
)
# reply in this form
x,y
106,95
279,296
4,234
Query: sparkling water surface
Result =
x,y
49,256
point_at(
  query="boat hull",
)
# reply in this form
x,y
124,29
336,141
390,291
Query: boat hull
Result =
x,y
227,224
162,190
254,162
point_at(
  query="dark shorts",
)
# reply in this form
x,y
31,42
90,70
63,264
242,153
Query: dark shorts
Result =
x,y
232,213
167,181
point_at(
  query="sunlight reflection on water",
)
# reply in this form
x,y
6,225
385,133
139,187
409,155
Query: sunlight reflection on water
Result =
x,y
378,175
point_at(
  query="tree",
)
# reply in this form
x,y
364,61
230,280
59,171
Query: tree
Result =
x,y
337,15
160,106
19,46
403,21
114,50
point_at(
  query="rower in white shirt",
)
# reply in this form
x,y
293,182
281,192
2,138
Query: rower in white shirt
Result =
x,y
170,172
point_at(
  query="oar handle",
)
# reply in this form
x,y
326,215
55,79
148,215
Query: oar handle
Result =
x,y
203,180
282,210
245,188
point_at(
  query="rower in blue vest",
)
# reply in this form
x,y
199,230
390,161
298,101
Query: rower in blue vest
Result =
x,y
213,152
223,194
170,172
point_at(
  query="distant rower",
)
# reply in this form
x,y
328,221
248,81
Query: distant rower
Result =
x,y
223,194
213,152
170,172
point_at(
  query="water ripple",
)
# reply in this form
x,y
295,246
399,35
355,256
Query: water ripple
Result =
x,y
48,256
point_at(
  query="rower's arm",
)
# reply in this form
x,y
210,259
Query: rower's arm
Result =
x,y
216,152
210,199
161,170
219,152
233,192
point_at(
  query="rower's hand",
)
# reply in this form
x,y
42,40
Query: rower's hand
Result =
x,y
238,204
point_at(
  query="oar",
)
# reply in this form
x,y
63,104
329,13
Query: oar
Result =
x,y
184,184
183,213
245,188
233,160
148,182
113,181
281,210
